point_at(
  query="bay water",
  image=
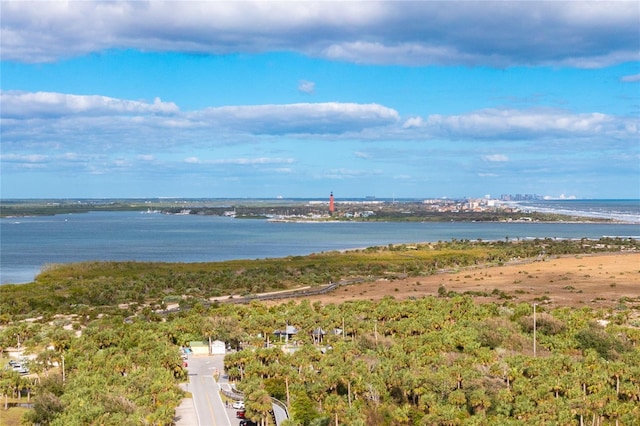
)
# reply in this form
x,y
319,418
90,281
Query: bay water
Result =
x,y
27,244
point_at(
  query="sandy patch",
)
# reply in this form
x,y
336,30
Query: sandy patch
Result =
x,y
583,280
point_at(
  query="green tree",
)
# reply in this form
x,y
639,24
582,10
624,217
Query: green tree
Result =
x,y
302,408
258,404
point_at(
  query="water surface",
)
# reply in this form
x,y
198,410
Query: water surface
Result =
x,y
27,244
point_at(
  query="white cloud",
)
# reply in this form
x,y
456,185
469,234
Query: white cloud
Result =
x,y
21,158
285,170
496,33
240,161
414,53
363,155
50,104
495,158
531,123
413,122
253,161
99,125
307,87
71,156
65,119
302,118
345,173
631,78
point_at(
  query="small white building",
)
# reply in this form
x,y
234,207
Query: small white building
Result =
x,y
208,348
218,348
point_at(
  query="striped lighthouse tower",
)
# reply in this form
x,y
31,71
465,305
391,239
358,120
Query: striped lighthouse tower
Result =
x,y
332,205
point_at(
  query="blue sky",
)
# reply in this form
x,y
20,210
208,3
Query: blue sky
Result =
x,y
297,99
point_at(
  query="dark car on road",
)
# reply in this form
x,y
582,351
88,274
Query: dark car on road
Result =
x,y
247,423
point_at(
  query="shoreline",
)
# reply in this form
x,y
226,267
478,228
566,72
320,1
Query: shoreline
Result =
x,y
271,238
339,250
617,216
625,211
598,222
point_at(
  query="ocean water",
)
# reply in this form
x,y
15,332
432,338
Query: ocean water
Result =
x,y
28,244
623,210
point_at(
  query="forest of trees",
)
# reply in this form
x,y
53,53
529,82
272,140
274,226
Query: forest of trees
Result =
x,y
434,360
444,361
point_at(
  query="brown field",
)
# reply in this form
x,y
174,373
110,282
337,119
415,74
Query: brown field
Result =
x,y
597,281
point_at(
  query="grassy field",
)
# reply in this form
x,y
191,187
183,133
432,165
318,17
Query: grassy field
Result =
x,y
12,416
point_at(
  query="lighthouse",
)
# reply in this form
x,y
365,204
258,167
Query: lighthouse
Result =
x,y
332,206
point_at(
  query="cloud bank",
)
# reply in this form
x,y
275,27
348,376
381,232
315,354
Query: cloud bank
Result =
x,y
100,123
529,124
17,104
105,138
561,33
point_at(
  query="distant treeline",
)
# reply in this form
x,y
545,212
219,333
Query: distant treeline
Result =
x,y
388,213
51,208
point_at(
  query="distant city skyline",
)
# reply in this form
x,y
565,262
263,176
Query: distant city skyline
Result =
x,y
429,99
320,199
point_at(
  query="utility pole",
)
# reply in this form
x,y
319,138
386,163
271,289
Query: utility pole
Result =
x,y
534,330
375,331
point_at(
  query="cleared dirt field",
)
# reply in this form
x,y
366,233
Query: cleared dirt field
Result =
x,y
594,281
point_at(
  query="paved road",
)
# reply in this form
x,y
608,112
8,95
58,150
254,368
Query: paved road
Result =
x,y
279,413
208,405
206,408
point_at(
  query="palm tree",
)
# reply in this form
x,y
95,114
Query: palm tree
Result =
x,y
259,402
335,406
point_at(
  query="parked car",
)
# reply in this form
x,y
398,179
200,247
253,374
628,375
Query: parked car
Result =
x,y
238,405
240,414
247,423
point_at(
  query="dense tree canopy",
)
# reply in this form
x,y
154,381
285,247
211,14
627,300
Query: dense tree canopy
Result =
x,y
446,361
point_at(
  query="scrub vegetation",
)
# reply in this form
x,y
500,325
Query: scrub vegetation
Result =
x,y
78,287
104,349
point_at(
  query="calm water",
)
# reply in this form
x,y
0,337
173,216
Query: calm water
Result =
x,y
29,243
